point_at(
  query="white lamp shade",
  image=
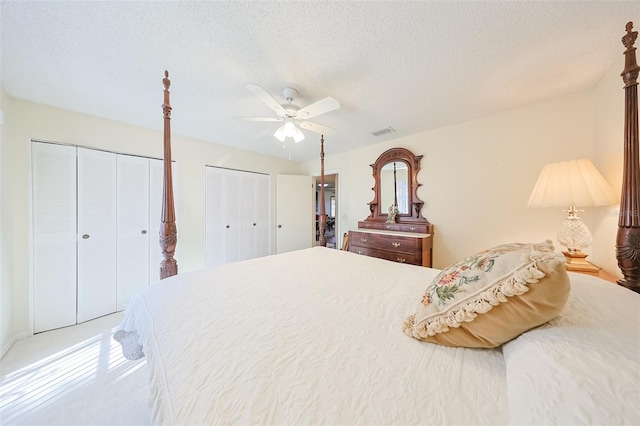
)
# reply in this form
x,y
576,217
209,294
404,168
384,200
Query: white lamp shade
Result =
x,y
298,136
571,183
289,128
279,134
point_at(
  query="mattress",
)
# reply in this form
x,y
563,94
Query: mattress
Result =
x,y
315,337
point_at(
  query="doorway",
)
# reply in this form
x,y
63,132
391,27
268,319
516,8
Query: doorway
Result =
x,y
332,208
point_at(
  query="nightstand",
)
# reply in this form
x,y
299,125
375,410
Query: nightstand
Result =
x,y
577,262
600,273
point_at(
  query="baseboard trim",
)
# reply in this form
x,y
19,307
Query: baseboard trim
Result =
x,y
11,342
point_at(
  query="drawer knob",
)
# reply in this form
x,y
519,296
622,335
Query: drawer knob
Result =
x,y
388,226
413,228
401,259
396,245
364,240
359,252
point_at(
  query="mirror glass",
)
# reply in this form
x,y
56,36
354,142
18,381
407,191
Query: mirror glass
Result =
x,y
394,187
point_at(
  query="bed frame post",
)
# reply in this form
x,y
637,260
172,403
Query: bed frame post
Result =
x,y
628,238
322,240
168,230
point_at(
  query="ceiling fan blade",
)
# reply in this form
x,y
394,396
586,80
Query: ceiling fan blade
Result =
x,y
322,106
259,118
265,97
315,127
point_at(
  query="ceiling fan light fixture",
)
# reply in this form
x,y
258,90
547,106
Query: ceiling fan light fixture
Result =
x,y
290,128
298,136
280,134
291,114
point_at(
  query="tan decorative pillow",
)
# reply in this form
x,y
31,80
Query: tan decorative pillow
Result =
x,y
492,297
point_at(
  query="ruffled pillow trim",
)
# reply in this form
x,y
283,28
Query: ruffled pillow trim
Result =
x,y
466,311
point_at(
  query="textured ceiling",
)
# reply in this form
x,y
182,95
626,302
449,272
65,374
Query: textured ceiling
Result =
x,y
413,66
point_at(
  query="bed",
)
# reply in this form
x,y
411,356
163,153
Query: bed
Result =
x,y
284,339
252,343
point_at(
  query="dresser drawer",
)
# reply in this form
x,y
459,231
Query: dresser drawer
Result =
x,y
404,247
409,258
387,242
404,227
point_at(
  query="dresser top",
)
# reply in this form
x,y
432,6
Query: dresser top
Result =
x,y
393,233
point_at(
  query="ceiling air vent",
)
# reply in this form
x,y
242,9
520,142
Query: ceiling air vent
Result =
x,y
383,131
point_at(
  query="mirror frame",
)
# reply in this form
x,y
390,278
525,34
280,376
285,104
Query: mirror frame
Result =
x,y
415,204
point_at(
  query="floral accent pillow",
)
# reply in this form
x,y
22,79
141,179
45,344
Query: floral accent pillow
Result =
x,y
491,297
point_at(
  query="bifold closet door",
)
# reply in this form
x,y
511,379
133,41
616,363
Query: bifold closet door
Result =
x,y
133,227
97,233
262,216
54,235
255,215
222,216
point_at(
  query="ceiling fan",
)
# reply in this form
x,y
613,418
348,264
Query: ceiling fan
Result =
x,y
293,117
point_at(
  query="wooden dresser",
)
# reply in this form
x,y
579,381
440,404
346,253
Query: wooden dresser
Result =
x,y
395,242
395,229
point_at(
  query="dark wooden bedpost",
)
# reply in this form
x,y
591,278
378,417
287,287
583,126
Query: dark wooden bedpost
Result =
x,y
323,217
628,238
168,230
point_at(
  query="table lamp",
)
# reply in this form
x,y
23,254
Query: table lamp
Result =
x,y
572,184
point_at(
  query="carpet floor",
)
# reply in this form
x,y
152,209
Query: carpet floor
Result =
x,y
73,376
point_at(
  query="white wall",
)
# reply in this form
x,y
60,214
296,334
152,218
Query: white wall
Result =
x,y
6,233
477,176
35,121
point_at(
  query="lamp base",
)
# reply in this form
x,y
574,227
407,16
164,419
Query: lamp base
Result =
x,y
578,262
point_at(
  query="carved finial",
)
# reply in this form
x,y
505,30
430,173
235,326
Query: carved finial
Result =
x,y
166,80
630,37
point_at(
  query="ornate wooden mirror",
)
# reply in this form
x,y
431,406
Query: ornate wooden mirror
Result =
x,y
395,187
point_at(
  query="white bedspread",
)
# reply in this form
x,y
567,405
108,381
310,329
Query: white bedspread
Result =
x,y
307,337
315,337
583,367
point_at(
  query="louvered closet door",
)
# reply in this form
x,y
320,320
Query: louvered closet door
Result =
x,y
54,235
96,234
133,227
